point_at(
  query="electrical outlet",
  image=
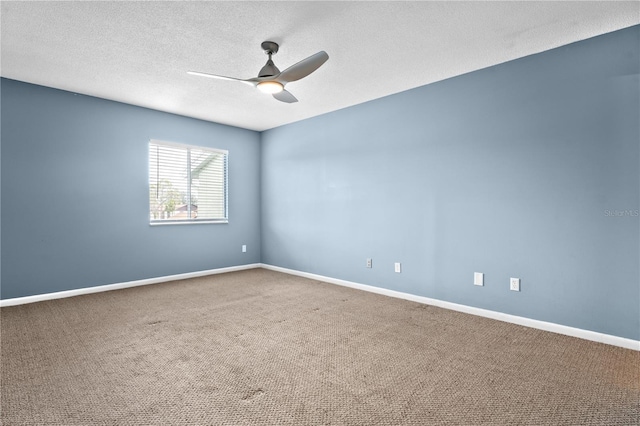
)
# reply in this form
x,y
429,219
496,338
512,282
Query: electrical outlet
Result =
x,y
478,278
369,263
397,267
244,248
514,284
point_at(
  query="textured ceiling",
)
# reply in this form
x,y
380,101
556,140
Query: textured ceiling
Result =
x,y
139,52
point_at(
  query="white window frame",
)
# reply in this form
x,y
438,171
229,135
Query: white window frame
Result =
x,y
188,220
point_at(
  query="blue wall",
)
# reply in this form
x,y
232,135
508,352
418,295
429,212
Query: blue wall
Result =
x,y
527,169
75,194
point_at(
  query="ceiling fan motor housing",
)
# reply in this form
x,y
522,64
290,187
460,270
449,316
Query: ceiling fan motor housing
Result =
x,y
270,69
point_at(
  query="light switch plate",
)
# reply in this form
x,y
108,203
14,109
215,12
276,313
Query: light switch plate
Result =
x,y
478,278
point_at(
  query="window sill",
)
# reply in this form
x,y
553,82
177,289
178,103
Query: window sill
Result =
x,y
189,222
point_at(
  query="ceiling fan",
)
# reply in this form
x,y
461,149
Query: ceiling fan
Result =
x,y
270,79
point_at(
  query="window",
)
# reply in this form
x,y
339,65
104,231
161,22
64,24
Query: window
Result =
x,y
187,184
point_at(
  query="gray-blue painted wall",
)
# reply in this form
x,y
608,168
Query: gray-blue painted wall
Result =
x,y
518,170
75,194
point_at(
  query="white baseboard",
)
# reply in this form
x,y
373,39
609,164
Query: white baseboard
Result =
x,y
118,286
527,322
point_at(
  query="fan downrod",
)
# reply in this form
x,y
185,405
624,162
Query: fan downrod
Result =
x,y
270,47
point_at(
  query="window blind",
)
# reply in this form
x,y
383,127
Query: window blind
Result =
x,y
187,184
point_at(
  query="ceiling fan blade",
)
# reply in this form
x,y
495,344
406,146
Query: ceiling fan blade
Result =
x,y
302,68
220,77
285,96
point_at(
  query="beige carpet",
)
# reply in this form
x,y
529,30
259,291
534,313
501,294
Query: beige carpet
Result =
x,y
263,348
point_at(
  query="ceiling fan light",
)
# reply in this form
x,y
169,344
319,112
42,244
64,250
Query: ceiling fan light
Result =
x,y
270,87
